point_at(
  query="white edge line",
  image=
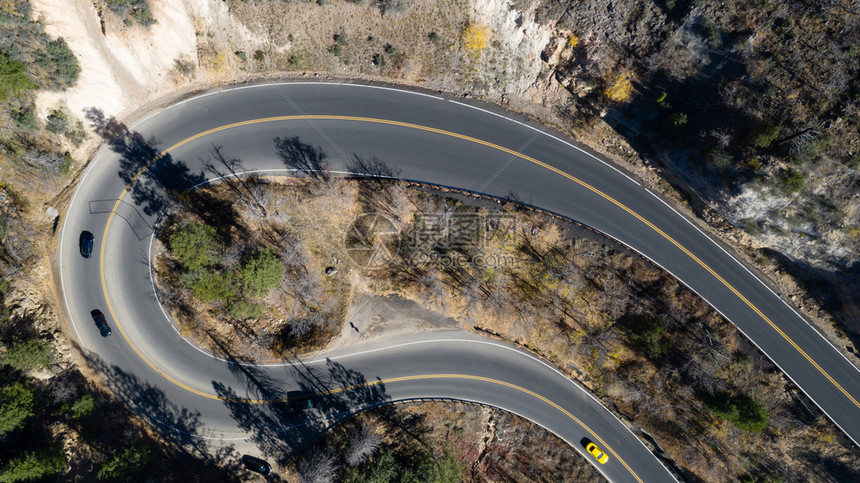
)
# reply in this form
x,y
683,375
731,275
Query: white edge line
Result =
x,y
784,372
550,136
270,84
570,145
319,358
62,245
814,329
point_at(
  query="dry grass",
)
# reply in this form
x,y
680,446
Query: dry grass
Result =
x,y
305,225
493,445
574,298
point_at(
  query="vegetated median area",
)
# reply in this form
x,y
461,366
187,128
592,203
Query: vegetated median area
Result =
x,y
746,110
645,345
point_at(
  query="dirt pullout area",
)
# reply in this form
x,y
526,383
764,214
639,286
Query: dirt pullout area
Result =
x,y
373,317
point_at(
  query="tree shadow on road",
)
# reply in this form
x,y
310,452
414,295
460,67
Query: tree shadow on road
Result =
x,y
269,408
303,157
183,430
153,178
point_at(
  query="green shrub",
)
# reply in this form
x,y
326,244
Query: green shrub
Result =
x,y
185,67
721,159
790,181
426,466
259,55
197,246
647,332
125,464
66,167
244,309
57,122
60,65
752,416
29,354
77,135
13,79
742,411
379,60
764,136
434,37
25,118
82,407
132,10
143,16
211,286
33,466
16,406
262,272
679,119
299,60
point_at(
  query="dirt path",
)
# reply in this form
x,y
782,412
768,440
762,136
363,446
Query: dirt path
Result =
x,y
375,317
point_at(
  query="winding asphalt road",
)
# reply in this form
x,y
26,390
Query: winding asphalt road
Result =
x,y
429,139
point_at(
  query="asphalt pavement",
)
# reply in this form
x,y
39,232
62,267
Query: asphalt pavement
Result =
x,y
426,138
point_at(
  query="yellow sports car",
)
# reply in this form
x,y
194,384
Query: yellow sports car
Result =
x,y
595,451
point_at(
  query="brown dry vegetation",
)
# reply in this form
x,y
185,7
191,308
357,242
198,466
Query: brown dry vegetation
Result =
x,y
303,225
492,445
748,109
432,43
800,59
644,344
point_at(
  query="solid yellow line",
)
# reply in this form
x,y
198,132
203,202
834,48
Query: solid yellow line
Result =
x,y
567,413
465,138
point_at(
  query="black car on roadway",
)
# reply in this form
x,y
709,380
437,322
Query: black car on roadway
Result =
x,y
301,402
101,323
256,464
86,243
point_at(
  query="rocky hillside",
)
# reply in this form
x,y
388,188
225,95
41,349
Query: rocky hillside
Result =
x,y
748,108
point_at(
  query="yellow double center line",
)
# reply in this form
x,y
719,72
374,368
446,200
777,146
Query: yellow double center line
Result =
x,y
472,140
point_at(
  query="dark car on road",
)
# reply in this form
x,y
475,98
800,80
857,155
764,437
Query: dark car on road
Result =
x,y
86,243
301,402
101,323
256,464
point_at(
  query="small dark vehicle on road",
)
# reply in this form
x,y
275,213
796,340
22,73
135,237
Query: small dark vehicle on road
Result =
x,y
256,464
101,323
301,402
86,243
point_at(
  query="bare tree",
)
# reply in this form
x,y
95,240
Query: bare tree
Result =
x,y
44,160
382,191
228,171
363,442
317,466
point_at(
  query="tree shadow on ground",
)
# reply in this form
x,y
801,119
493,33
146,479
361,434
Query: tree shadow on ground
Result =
x,y
271,410
834,290
183,431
